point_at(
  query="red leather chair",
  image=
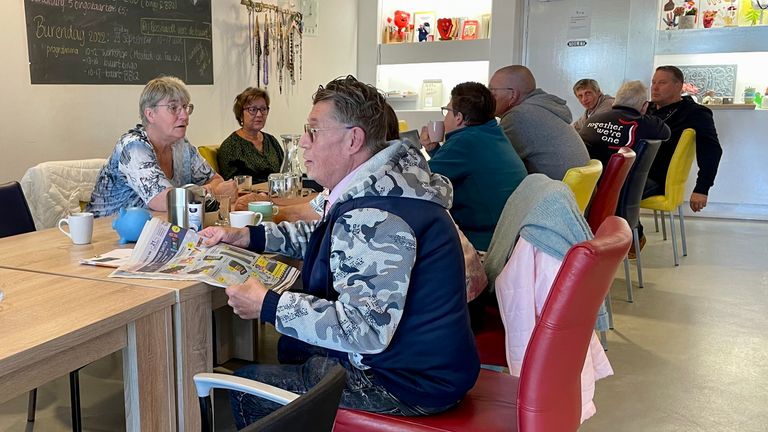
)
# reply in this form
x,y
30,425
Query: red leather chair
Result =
x,y
606,195
547,396
606,200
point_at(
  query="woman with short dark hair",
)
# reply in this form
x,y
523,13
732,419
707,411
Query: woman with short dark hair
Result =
x,y
249,150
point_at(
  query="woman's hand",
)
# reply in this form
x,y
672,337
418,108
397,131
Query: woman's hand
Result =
x,y
240,237
242,202
425,141
247,299
228,188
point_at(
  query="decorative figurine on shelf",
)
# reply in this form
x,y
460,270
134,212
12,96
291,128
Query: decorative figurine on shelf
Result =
x,y
708,18
444,27
402,20
424,31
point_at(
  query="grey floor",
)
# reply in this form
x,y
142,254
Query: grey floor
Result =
x,y
690,354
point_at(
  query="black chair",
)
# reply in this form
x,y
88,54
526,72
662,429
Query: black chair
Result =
x,y
17,219
629,202
312,411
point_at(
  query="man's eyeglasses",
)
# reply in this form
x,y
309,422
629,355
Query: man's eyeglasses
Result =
x,y
445,110
493,89
175,109
252,110
309,130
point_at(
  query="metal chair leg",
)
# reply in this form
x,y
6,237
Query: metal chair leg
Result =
x,y
74,394
656,219
31,405
638,262
663,227
628,277
609,309
682,229
674,237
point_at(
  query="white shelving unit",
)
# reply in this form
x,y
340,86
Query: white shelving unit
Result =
x,y
404,66
712,40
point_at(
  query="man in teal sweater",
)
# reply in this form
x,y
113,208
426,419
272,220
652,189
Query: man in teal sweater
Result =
x,y
478,159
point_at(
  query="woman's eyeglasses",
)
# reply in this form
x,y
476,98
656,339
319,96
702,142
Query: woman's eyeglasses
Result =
x,y
175,109
445,110
252,110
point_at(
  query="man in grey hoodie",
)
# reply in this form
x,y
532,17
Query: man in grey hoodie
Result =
x,y
537,124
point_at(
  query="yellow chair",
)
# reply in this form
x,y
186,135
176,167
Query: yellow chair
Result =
x,y
209,153
674,188
402,125
582,181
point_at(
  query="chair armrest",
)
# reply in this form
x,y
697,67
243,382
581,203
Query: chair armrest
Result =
x,y
204,382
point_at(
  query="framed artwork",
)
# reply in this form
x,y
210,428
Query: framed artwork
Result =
x,y
470,29
309,12
424,25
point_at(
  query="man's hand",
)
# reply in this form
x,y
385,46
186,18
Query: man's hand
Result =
x,y
246,299
240,237
698,201
425,141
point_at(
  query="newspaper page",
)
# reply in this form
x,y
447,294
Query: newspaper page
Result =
x,y
166,251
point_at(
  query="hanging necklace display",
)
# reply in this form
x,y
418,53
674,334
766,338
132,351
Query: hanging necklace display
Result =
x,y
281,40
257,48
266,50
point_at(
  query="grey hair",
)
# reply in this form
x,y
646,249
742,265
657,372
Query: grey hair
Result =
x,y
159,89
586,83
632,94
357,104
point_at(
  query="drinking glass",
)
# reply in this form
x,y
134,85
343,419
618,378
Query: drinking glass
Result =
x,y
224,206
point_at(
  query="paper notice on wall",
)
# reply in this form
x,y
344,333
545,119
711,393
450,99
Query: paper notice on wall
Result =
x,y
579,24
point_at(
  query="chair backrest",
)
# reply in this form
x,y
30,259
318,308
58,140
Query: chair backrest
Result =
x,y
210,154
582,181
54,189
607,194
632,192
15,217
680,167
315,410
549,392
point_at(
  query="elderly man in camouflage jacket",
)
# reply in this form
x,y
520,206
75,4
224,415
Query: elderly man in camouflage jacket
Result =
x,y
383,271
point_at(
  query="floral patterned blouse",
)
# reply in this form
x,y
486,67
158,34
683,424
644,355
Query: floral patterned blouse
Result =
x,y
132,175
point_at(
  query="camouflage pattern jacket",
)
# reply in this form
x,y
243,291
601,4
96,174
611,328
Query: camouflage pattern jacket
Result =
x,y
384,280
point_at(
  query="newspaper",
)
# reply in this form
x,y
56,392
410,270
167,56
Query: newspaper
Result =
x,y
166,251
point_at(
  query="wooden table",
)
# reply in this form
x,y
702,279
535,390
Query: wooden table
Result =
x,y
50,251
51,325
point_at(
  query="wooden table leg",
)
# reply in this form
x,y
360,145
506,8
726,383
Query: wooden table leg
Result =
x,y
150,399
194,354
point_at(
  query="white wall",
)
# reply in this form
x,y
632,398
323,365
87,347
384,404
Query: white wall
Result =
x,y
63,122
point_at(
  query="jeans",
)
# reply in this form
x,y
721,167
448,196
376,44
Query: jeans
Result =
x,y
362,392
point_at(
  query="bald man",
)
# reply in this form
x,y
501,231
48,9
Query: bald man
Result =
x,y
537,124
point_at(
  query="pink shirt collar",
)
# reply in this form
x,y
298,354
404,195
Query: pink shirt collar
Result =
x,y
335,194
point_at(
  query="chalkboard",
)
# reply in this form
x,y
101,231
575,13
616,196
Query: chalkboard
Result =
x,y
118,41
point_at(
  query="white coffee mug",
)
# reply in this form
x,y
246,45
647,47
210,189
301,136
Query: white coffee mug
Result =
x,y
80,227
436,130
241,218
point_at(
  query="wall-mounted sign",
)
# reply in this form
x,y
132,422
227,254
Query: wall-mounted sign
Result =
x,y
576,43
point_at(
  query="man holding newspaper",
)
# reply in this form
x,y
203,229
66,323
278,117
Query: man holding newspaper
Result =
x,y
383,276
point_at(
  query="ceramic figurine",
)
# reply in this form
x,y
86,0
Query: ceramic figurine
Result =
x,y
129,222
